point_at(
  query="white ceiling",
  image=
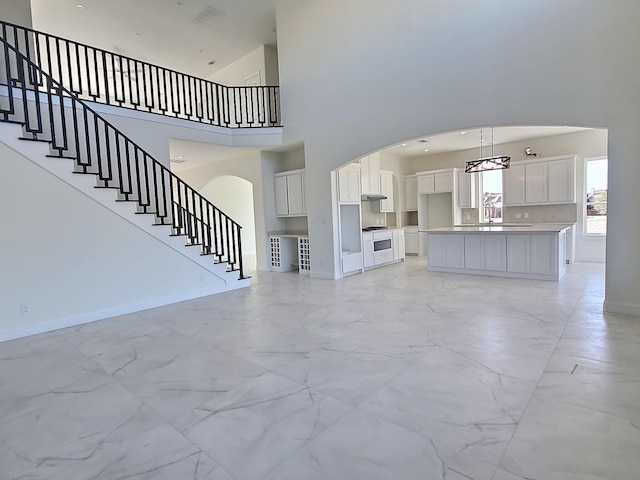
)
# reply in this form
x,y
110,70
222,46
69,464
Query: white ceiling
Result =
x,y
471,139
183,35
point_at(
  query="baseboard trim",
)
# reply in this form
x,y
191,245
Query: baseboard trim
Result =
x,y
610,307
322,275
103,314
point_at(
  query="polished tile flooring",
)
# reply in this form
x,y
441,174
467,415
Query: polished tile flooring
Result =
x,y
395,374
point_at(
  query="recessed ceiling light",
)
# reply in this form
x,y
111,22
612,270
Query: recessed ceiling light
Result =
x,y
79,6
404,144
483,140
211,62
180,157
463,133
426,149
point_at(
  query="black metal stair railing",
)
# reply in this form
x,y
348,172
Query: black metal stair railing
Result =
x,y
51,113
104,77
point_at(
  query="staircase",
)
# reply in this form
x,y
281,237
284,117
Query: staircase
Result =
x,y
53,123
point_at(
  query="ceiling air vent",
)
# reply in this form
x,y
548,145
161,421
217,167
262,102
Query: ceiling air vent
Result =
x,y
208,16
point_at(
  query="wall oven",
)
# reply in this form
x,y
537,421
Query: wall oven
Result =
x,y
382,248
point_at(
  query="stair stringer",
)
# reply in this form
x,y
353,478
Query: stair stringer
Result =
x,y
62,168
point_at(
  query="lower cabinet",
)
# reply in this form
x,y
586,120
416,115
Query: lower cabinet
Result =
x,y
446,250
485,252
538,256
352,263
367,250
411,240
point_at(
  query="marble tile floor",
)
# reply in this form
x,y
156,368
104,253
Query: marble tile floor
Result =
x,y
395,374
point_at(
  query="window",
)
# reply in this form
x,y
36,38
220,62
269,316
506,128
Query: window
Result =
x,y
596,179
491,188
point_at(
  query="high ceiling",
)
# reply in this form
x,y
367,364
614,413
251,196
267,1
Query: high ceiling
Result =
x,y
185,35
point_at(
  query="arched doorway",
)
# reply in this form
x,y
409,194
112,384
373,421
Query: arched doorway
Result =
x,y
234,196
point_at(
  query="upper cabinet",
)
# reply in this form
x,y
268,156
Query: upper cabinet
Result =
x,y
290,194
349,184
437,181
466,189
540,182
370,174
411,193
386,189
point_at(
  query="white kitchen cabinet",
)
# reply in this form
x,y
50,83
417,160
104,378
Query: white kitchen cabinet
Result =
x,y
535,182
443,182
370,174
518,253
349,184
540,182
367,250
411,240
466,189
399,248
446,250
562,181
426,184
513,185
474,252
435,181
386,189
290,194
352,263
495,253
485,252
543,256
411,193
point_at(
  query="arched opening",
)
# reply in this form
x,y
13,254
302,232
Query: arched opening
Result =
x,y
234,196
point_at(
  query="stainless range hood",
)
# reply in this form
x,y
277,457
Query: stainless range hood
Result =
x,y
371,197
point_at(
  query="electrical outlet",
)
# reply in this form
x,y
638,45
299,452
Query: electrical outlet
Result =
x,y
518,215
526,215
24,309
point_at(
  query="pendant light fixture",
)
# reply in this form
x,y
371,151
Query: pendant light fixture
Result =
x,y
489,163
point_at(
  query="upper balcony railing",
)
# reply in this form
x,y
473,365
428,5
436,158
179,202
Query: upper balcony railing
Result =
x,y
108,78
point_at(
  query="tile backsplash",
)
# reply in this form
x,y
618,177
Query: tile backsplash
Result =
x,y
564,213
369,217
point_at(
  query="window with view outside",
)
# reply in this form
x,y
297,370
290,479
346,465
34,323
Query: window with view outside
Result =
x,y
491,188
596,196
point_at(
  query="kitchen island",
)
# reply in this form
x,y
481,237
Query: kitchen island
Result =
x,y
535,252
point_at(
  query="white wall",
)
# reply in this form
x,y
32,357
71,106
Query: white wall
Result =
x,y
16,11
234,196
71,260
258,168
353,83
236,73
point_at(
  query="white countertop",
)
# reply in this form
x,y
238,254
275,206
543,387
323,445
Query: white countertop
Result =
x,y
290,233
501,229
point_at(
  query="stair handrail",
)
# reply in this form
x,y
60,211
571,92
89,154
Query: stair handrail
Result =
x,y
155,89
204,223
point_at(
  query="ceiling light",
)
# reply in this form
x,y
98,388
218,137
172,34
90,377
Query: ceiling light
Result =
x,y
426,149
211,62
404,144
463,133
489,163
79,7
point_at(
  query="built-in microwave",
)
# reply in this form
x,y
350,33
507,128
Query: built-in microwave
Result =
x,y
379,245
